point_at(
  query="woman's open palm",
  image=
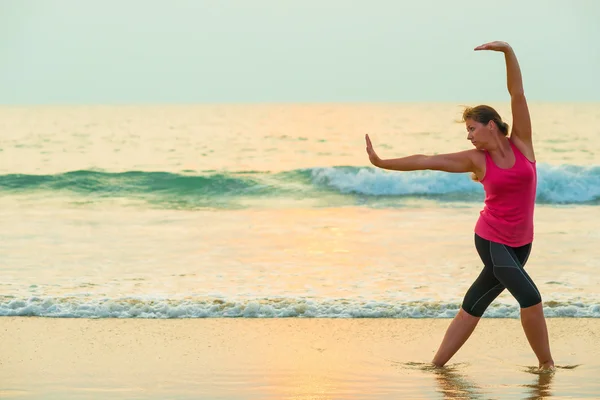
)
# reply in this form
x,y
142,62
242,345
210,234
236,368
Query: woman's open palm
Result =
x,y
494,46
373,157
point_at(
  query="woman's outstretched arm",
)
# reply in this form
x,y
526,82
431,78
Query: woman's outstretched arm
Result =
x,y
451,162
521,125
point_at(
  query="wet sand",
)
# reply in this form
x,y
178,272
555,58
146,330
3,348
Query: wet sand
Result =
x,y
288,359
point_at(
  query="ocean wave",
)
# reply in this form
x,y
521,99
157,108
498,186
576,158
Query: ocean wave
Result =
x,y
566,184
74,307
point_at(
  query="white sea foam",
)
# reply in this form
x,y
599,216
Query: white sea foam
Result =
x,y
71,307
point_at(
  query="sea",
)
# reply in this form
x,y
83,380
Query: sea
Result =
x,y
274,211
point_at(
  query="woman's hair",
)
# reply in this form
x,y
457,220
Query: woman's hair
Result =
x,y
485,114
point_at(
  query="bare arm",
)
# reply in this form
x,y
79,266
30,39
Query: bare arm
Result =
x,y
520,111
451,162
514,81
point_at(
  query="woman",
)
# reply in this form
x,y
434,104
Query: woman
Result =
x,y
505,165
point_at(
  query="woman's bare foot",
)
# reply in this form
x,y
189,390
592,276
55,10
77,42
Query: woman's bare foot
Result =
x,y
547,366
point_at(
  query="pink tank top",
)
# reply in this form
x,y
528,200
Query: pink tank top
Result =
x,y
507,215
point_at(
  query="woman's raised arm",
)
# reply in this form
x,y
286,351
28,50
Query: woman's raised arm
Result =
x,y
521,124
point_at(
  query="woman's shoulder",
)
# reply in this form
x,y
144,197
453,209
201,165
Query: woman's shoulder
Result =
x,y
478,159
478,156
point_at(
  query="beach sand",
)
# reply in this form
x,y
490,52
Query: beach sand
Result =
x,y
288,359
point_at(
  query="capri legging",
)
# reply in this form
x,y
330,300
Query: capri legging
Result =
x,y
503,268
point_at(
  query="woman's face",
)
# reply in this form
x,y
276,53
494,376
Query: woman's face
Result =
x,y
478,134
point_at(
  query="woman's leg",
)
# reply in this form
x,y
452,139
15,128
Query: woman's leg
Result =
x,y
456,335
479,296
534,325
508,268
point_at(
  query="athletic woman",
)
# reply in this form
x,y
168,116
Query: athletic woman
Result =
x,y
505,165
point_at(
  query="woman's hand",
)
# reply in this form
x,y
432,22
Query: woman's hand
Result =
x,y
494,46
373,157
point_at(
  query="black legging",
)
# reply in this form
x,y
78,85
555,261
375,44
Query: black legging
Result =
x,y
503,268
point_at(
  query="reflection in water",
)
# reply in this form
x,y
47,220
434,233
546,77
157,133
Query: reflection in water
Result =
x,y
454,385
451,383
540,388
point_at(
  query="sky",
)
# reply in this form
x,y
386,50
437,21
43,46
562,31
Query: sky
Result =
x,y
248,51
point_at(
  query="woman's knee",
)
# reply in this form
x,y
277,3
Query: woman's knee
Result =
x,y
472,315
531,301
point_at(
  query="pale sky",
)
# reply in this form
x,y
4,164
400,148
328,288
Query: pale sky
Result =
x,y
239,51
